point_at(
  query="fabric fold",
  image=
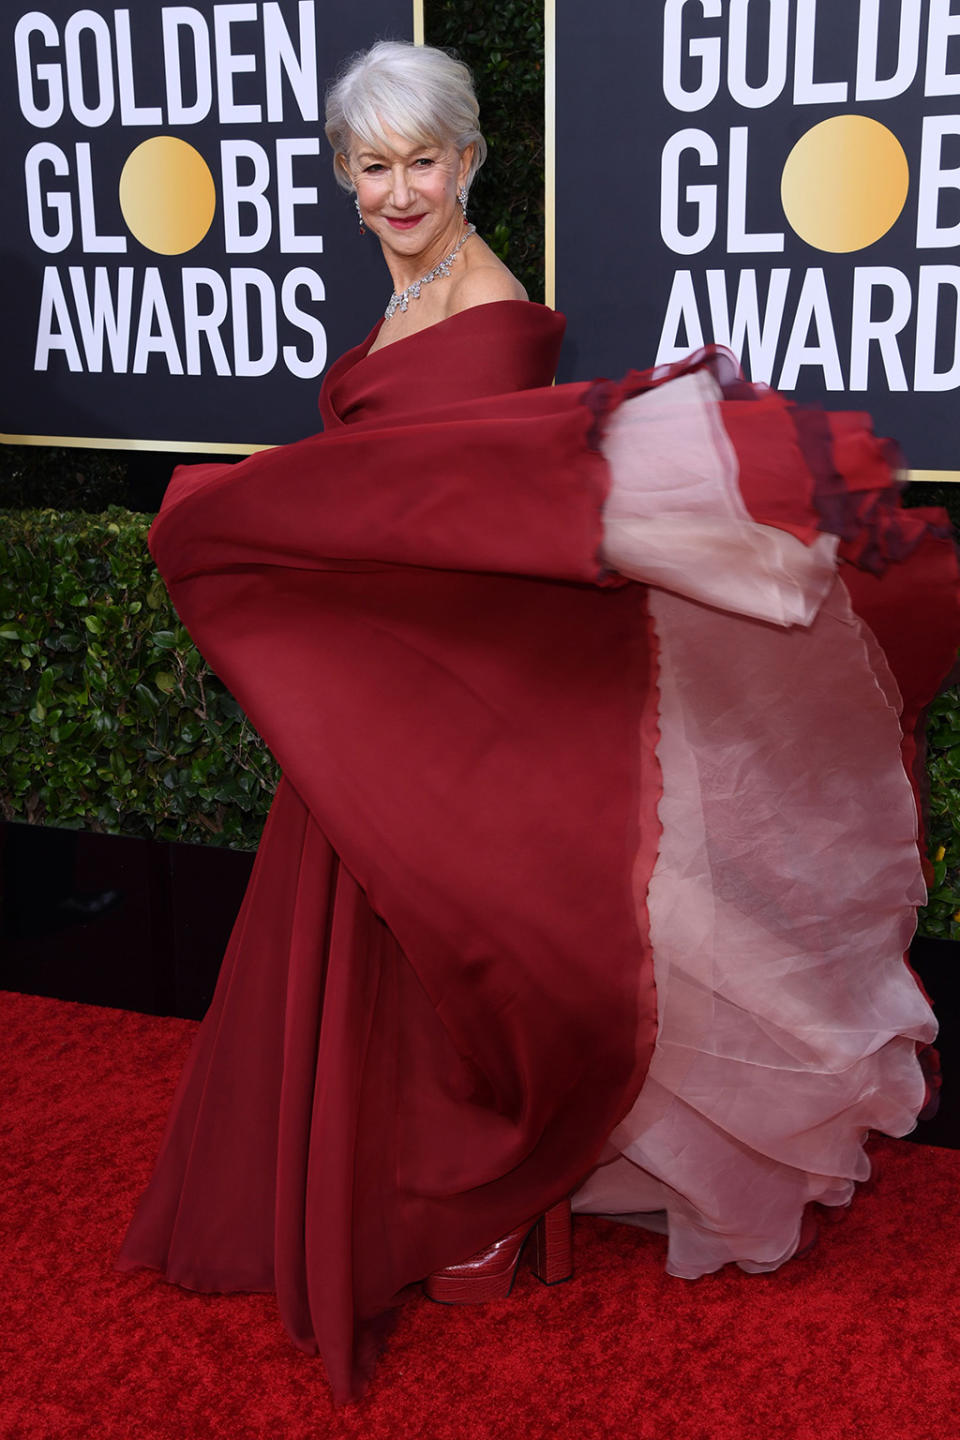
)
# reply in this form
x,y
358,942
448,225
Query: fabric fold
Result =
x,y
438,1002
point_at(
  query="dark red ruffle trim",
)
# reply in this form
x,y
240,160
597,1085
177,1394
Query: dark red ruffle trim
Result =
x,y
857,489
603,397
851,487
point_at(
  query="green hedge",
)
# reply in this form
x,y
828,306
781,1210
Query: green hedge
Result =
x,y
503,45
109,719
942,914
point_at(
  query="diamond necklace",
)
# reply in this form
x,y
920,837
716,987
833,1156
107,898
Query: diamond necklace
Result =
x,y
399,301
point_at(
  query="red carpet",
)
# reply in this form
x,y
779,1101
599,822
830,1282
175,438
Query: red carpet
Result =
x,y
858,1340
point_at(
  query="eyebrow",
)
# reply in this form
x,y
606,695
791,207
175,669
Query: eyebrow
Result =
x,y
418,149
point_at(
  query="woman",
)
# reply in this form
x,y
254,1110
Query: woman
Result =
x,y
535,818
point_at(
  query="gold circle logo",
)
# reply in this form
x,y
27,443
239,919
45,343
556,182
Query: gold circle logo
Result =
x,y
167,195
845,183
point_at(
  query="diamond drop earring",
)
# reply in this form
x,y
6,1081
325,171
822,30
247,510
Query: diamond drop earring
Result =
x,y
462,197
363,228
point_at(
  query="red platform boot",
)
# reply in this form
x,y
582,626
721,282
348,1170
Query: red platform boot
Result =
x,y
489,1275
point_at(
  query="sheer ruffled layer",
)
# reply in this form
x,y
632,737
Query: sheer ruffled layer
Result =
x,y
785,889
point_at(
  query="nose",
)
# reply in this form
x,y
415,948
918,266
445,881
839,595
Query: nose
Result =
x,y
400,188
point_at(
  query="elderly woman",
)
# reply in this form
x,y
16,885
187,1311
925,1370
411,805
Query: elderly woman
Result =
x,y
595,856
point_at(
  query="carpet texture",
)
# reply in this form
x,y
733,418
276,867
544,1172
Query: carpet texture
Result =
x,y
858,1340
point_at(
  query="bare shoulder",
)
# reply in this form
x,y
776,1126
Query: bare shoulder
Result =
x,y
484,282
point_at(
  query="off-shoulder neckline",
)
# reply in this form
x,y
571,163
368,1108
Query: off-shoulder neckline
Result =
x,y
447,320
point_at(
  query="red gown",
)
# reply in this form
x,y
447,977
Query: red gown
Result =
x,y
438,1000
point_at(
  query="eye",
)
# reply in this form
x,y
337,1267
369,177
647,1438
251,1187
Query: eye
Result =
x,y
425,160
373,169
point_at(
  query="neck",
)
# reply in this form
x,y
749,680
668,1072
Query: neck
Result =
x,y
404,271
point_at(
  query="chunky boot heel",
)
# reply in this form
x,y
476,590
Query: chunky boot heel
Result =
x,y
489,1275
553,1245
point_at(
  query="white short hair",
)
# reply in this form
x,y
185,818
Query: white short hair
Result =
x,y
419,92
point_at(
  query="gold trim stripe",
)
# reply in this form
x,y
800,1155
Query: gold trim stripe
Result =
x,y
550,153
418,22
933,477
104,442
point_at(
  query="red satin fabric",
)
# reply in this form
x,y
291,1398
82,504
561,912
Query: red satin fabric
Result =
x,y
438,998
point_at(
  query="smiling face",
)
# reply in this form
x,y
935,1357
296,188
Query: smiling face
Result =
x,y
408,197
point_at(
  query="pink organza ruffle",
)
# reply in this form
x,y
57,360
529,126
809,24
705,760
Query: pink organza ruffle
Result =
x,y
784,894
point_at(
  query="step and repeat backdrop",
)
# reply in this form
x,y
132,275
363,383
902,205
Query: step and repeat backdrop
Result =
x,y
779,176
179,266
178,263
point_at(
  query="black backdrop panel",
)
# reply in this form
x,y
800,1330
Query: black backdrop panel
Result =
x,y
178,264
684,212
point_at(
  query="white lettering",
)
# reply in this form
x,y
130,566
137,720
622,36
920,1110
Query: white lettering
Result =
x,y
749,332
89,22
702,197
90,69
869,84
177,18
206,323
130,112
244,361
813,308
309,367
230,64
153,307
754,97
234,196
806,90
934,179
739,239
31,74
934,279
93,243
54,327
300,67
866,330
290,196
942,27
102,318
681,310
56,202
707,51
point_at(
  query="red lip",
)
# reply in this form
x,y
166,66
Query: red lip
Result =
x,y
406,222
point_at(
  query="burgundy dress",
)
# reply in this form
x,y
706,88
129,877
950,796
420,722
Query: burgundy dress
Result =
x,y
438,1002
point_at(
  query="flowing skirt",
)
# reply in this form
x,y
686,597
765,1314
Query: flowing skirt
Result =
x,y
570,882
